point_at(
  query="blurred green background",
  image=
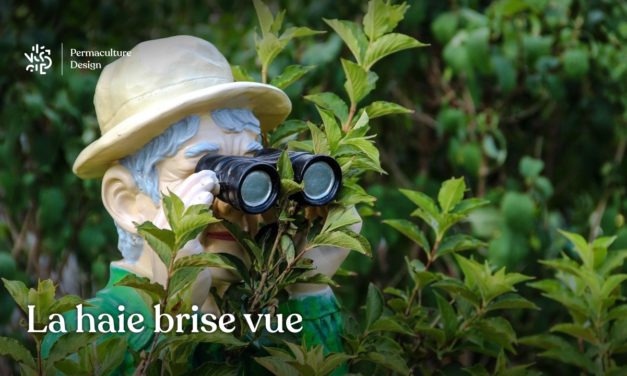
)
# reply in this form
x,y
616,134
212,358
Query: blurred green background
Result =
x,y
524,98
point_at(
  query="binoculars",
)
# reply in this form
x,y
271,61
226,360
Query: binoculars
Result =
x,y
252,184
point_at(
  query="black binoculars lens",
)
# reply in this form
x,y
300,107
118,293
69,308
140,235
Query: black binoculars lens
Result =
x,y
321,176
256,188
318,180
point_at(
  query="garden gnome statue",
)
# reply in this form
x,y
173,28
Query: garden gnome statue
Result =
x,y
160,109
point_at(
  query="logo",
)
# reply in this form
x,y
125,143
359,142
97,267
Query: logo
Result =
x,y
39,59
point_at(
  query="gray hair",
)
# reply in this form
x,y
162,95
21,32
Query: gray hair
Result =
x,y
143,164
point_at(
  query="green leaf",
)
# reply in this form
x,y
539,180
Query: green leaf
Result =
x,y
191,225
458,243
530,168
423,201
381,18
361,149
278,22
556,291
559,349
320,143
427,209
160,240
179,285
456,288
66,303
214,369
613,260
19,293
617,312
153,289
42,298
333,362
430,332
359,82
382,108
204,260
573,357
603,242
447,315
352,34
546,341
331,127
389,324
477,370
581,246
611,283
374,304
286,245
290,75
110,354
577,331
277,366
331,102
392,361
318,278
68,367
16,351
289,129
218,337
289,187
68,344
446,221
340,217
264,15
466,206
298,32
490,286
173,208
419,274
411,231
352,194
618,335
268,47
444,26
245,241
362,121
284,166
451,193
497,330
511,301
240,74
387,45
342,239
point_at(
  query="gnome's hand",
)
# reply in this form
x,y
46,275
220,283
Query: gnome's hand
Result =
x,y
198,188
326,260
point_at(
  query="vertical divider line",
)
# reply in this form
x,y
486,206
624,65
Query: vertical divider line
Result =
x,y
61,58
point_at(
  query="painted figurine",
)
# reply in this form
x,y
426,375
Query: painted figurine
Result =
x,y
161,109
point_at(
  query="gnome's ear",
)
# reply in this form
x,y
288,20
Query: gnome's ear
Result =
x,y
123,200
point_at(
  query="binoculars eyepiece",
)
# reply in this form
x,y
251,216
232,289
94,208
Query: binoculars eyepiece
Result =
x,y
252,184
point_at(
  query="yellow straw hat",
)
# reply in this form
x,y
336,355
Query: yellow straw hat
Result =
x,y
162,81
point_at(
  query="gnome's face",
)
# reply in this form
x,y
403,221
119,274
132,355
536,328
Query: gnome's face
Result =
x,y
128,205
174,171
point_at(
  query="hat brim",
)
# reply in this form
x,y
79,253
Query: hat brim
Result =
x,y
269,104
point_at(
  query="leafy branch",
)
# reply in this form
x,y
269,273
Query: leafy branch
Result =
x,y
184,225
586,285
43,299
482,291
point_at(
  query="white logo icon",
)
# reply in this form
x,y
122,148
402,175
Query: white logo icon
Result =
x,y
39,59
